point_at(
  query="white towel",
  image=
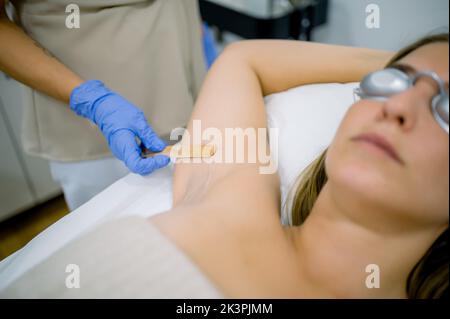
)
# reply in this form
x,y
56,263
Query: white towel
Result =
x,y
125,258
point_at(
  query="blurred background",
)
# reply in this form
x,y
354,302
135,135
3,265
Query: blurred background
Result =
x,y
30,200
337,21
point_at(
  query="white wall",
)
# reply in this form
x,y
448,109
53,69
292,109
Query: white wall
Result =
x,y
401,22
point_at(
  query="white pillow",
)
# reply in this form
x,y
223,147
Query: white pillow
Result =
x,y
307,118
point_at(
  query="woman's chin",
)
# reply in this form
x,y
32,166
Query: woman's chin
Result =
x,y
364,179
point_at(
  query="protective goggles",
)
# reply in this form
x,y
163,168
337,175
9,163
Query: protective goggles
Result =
x,y
380,85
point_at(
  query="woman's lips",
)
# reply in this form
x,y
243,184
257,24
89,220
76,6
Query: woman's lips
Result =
x,y
381,143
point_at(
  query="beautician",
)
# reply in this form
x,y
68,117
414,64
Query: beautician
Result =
x,y
126,69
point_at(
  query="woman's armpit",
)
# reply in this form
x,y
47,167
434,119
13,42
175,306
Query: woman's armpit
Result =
x,y
241,193
190,182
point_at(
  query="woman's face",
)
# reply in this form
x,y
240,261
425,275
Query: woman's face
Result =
x,y
411,179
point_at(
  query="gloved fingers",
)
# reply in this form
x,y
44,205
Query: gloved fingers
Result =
x,y
150,139
156,162
124,146
145,166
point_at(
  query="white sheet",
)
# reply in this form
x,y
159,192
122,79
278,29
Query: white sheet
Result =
x,y
307,117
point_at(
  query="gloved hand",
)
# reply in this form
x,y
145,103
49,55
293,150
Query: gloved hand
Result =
x,y
120,122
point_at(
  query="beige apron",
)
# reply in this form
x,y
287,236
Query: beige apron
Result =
x,y
150,52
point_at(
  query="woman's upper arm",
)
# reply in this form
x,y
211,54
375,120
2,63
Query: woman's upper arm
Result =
x,y
232,98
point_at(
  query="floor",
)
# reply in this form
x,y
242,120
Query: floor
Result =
x,y
17,231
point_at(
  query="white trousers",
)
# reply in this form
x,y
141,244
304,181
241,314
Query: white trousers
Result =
x,y
83,180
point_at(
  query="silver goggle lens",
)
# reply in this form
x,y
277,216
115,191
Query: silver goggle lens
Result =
x,y
380,85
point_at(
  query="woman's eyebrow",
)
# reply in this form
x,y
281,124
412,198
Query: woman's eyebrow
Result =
x,y
408,69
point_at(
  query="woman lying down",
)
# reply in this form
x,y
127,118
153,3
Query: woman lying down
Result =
x,y
375,204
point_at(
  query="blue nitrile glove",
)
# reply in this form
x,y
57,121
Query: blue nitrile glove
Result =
x,y
120,122
209,46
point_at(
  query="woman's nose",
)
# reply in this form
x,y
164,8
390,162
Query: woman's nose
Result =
x,y
402,109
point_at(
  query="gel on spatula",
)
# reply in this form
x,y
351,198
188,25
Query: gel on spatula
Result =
x,y
178,152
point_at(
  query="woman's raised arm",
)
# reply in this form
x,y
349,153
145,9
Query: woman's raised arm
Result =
x,y
232,96
281,65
